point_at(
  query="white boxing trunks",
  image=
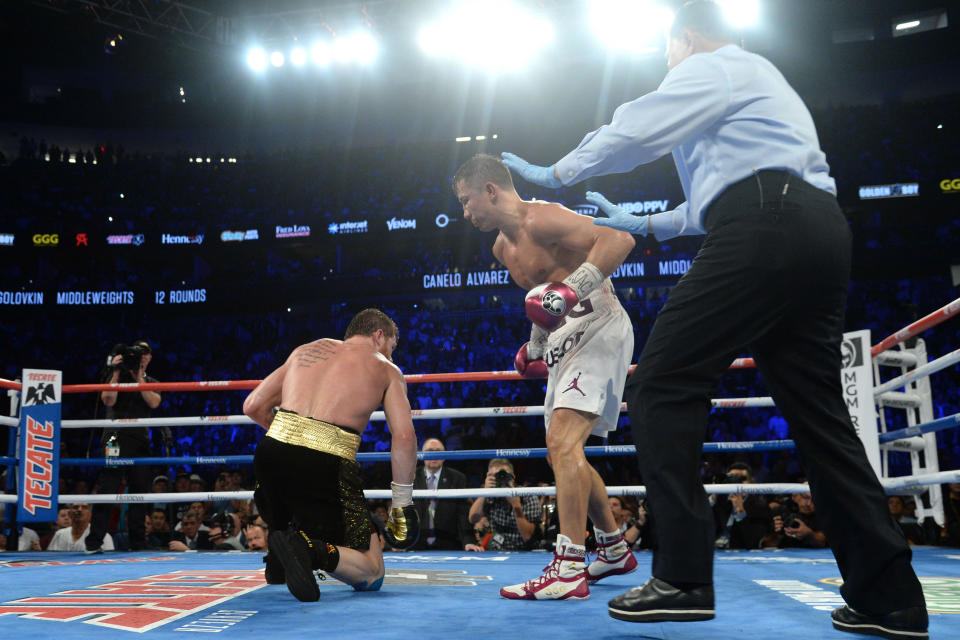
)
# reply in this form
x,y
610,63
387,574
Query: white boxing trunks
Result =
x,y
588,357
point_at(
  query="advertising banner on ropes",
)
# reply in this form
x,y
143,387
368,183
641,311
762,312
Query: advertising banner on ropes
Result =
x,y
856,377
39,449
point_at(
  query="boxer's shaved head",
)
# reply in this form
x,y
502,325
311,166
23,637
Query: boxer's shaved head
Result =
x,y
483,168
368,321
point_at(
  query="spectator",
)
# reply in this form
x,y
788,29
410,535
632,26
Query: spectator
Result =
x,y
189,537
62,522
950,534
158,529
514,522
224,531
443,521
911,530
28,540
630,525
222,483
798,528
74,538
256,536
742,520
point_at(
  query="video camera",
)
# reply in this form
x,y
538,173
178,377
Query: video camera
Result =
x,y
790,518
223,520
132,356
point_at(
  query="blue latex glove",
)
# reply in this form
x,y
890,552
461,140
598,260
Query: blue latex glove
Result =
x,y
618,218
542,176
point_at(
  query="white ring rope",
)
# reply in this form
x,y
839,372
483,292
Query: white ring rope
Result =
x,y
377,416
891,485
924,370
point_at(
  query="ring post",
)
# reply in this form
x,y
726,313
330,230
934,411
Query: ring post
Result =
x,y
39,468
856,377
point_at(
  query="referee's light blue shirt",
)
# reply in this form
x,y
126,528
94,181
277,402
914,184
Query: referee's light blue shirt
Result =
x,y
723,115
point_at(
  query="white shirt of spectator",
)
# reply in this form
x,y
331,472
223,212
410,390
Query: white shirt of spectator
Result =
x,y
63,541
28,536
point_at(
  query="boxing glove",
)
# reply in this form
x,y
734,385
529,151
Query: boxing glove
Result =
x,y
552,303
402,529
529,367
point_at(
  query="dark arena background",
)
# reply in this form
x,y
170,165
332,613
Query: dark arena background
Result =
x,y
228,179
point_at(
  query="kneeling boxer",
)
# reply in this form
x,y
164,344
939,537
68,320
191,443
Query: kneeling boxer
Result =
x,y
582,335
308,479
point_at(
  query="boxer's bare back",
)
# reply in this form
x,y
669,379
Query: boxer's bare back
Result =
x,y
340,382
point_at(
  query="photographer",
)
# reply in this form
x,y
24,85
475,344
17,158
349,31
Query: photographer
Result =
x,y
795,525
127,364
513,521
742,520
224,531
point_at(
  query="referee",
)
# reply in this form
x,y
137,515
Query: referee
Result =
x,y
771,276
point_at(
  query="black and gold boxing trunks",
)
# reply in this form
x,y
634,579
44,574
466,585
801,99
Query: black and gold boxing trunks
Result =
x,y
308,476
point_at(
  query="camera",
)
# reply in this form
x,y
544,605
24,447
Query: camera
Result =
x,y
132,357
223,520
732,478
502,478
791,519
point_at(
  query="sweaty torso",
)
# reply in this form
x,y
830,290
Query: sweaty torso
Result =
x,y
337,382
529,257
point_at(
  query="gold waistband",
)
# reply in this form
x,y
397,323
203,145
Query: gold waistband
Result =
x,y
314,434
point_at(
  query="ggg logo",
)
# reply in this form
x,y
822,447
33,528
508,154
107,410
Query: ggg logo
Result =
x,y
46,239
950,185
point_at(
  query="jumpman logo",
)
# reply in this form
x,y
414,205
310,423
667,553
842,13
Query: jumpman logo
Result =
x,y
575,384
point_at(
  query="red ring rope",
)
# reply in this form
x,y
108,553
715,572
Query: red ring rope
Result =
x,y
921,325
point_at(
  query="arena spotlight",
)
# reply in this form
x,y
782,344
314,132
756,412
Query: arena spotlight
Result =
x,y
363,47
277,59
320,54
741,13
298,56
496,34
634,26
257,59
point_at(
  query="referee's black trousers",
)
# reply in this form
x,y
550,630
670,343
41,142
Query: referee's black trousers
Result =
x,y
771,276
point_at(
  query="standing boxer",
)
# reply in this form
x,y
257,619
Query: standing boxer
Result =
x,y
771,275
583,337
308,478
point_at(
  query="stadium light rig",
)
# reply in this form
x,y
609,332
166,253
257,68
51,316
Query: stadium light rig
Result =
x,y
495,34
359,47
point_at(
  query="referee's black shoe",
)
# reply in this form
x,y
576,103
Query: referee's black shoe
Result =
x,y
903,624
659,601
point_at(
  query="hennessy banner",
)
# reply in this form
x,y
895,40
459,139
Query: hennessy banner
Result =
x,y
39,449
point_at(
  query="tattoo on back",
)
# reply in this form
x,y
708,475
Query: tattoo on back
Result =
x,y
314,352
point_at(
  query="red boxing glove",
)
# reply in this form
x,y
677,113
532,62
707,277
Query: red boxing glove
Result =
x,y
548,309
529,368
548,306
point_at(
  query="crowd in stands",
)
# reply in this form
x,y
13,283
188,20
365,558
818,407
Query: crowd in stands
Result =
x,y
477,330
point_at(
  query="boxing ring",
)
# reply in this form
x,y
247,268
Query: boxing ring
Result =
x,y
760,594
